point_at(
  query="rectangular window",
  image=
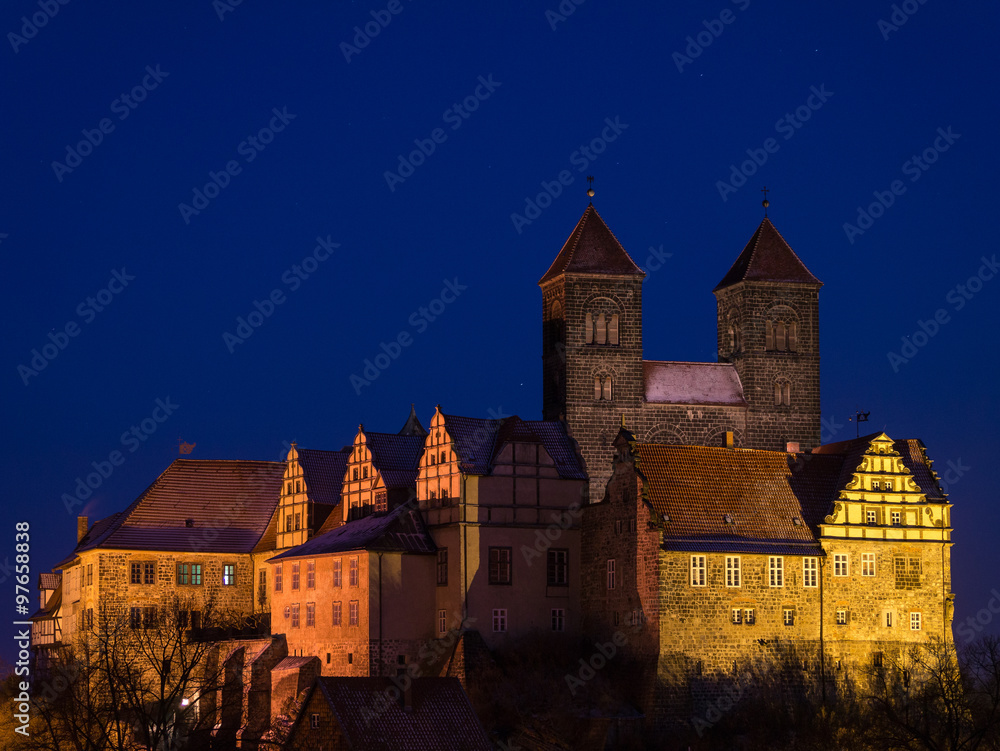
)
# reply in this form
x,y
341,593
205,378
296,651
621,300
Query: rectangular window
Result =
x,y
90,619
298,522
337,613
149,572
500,565
229,574
310,614
277,577
310,574
353,581
897,520
442,567
354,613
618,526
558,619
295,576
876,485
611,573
499,620
749,617
840,564
788,616
288,523
442,621
698,576
149,614
183,573
737,616
631,524
195,619
872,515
135,617
295,615
888,619
136,574
337,573
888,485
776,571
196,573
90,574
557,568
914,621
868,564
841,616
314,721
262,587
810,572
732,571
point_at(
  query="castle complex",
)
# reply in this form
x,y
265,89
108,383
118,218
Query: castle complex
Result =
x,y
690,504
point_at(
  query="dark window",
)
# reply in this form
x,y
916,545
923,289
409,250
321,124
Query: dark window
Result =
x,y
277,578
136,577
295,576
182,619
442,567
149,573
310,574
500,565
262,587
557,570
135,617
149,617
314,718
365,472
298,522
195,619
90,574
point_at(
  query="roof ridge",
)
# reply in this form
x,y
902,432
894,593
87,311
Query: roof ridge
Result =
x,y
690,362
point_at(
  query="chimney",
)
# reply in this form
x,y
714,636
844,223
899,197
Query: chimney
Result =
x,y
730,441
81,528
792,447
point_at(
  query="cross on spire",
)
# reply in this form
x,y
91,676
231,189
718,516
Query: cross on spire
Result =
x,y
765,203
590,188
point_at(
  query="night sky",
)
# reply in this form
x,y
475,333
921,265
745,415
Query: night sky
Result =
x,y
170,170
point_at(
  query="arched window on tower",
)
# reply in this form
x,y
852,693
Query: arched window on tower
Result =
x,y
779,336
782,393
601,335
792,337
607,389
769,335
603,388
589,328
613,330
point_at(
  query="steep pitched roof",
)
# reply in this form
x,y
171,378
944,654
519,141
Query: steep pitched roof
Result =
x,y
412,425
441,717
396,457
768,258
229,502
324,473
692,383
592,249
49,581
762,492
402,530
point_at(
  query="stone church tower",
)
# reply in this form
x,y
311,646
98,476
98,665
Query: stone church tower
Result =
x,y
768,326
763,393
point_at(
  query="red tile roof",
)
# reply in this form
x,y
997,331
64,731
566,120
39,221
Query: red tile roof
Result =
x,y
768,258
49,581
441,717
229,502
692,383
592,249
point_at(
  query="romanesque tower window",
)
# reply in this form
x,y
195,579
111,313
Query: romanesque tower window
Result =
x,y
601,328
603,391
781,336
782,393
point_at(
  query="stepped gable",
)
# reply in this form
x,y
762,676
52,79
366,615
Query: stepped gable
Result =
x,y
762,492
706,383
401,530
592,249
768,258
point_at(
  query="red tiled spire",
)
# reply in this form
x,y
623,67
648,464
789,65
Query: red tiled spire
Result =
x,y
768,258
592,249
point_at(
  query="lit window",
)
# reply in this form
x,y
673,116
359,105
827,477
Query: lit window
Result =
x,y
914,621
698,577
354,613
353,573
229,574
136,573
613,330
868,564
337,573
788,616
840,564
776,571
810,572
888,485
876,485
499,620
337,613
841,616
499,572
749,618
310,614
611,573
558,619
872,515
732,571
277,577
314,721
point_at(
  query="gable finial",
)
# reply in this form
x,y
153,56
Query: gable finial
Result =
x,y
590,188
623,419
765,203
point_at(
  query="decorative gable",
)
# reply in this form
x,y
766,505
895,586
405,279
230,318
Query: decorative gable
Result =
x,y
364,488
439,478
882,500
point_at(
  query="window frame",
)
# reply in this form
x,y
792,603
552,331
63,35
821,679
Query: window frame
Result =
x,y
278,581
310,615
557,567
698,571
558,620
916,620
501,571
868,564
354,571
810,572
338,573
442,567
734,571
354,613
776,571
610,581
499,620
228,574
296,579
337,613
841,565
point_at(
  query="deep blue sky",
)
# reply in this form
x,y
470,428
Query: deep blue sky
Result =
x,y
323,176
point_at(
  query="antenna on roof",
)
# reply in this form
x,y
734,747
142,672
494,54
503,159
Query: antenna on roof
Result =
x,y
765,203
859,417
590,188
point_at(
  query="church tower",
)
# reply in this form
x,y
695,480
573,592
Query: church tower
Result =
x,y
768,327
592,338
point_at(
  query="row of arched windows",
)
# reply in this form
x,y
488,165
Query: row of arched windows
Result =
x,y
781,336
601,329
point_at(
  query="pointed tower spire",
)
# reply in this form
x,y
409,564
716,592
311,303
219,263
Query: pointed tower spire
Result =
x,y
768,258
413,426
592,249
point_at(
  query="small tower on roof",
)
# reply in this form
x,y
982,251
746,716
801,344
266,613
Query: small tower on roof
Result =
x,y
768,327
